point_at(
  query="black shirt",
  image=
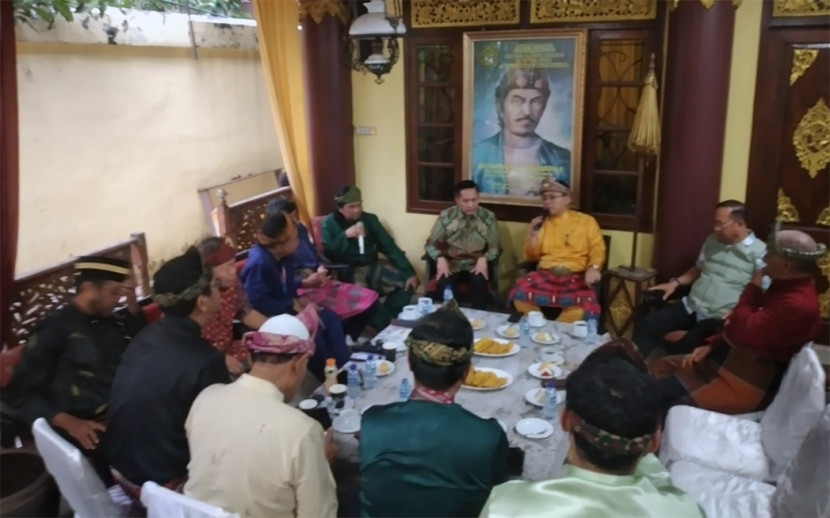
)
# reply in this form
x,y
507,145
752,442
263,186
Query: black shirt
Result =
x,y
167,366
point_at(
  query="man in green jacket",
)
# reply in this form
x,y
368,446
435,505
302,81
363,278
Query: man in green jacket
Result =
x,y
354,237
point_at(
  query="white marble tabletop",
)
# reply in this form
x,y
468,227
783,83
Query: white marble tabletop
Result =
x,y
543,457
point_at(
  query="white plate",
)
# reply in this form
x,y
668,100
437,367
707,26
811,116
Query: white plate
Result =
x,y
389,371
545,321
481,324
347,422
532,397
498,372
410,316
554,339
556,358
534,428
535,370
501,331
514,350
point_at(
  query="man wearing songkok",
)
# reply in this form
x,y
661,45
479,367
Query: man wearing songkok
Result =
x,y
570,251
315,283
739,370
728,259
463,241
429,456
253,454
393,278
221,257
612,414
268,279
162,372
69,363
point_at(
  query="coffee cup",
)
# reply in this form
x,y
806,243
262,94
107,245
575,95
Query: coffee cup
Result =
x,y
580,329
550,355
308,404
390,350
313,409
425,305
338,395
536,318
410,312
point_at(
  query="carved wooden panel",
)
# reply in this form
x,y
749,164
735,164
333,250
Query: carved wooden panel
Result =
x,y
39,294
246,218
801,8
545,11
463,13
623,298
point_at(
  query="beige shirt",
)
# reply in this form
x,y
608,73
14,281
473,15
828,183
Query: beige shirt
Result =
x,y
252,454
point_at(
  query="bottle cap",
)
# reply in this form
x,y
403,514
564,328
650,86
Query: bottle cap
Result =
x,y
331,362
353,367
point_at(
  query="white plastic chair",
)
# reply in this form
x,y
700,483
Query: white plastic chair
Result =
x,y
164,503
759,451
76,479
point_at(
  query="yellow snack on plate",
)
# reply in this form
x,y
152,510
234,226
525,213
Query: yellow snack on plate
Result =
x,y
490,346
544,337
511,331
484,379
476,323
383,367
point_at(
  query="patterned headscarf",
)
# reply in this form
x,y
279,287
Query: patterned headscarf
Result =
x,y
222,255
783,251
440,354
352,195
291,339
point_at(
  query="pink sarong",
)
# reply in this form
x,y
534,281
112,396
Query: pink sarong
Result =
x,y
346,300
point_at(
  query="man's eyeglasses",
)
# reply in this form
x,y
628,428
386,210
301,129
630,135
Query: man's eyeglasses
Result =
x,y
720,226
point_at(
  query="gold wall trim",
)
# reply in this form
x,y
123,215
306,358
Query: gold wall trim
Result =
x,y
824,304
800,8
319,9
802,59
811,138
737,3
786,210
707,3
461,13
824,217
824,265
544,11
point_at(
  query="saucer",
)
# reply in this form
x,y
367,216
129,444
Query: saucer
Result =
x,y
538,324
534,428
509,331
540,338
410,315
532,396
535,370
347,422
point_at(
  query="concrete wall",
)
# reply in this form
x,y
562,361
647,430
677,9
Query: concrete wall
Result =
x,y
116,139
381,165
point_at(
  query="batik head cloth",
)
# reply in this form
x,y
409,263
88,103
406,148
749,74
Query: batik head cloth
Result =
x,y
551,185
783,251
222,255
440,354
352,195
180,279
285,334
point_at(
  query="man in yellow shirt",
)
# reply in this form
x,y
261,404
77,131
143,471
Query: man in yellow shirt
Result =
x,y
570,251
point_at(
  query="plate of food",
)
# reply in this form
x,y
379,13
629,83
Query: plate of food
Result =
x,y
495,347
544,338
509,331
486,378
544,371
385,367
534,428
536,397
478,324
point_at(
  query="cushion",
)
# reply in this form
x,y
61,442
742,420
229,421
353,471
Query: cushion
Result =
x,y
152,312
795,410
317,232
723,494
802,489
715,440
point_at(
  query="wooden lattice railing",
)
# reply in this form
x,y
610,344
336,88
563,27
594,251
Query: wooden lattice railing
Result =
x,y
242,220
40,293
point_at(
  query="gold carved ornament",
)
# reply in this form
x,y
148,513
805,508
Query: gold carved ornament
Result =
x,y
800,8
824,304
802,59
811,138
786,210
706,3
459,13
542,11
824,217
319,9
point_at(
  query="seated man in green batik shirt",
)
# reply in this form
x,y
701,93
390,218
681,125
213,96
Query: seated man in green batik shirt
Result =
x,y
429,456
393,277
464,239
612,414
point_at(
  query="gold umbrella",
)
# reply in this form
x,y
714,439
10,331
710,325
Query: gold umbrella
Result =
x,y
645,131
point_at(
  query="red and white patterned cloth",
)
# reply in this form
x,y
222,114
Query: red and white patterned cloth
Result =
x,y
219,329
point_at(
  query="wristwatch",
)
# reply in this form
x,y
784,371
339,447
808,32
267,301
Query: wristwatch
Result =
x,y
595,266
677,281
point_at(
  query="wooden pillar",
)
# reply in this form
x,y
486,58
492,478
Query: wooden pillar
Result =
x,y
698,60
328,80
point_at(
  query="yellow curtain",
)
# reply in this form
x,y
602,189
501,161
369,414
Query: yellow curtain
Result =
x,y
281,52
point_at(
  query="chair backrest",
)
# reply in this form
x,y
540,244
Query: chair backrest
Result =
x,y
75,477
802,490
794,411
317,232
164,503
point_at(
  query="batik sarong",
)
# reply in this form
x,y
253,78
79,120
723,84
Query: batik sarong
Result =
x,y
544,289
344,299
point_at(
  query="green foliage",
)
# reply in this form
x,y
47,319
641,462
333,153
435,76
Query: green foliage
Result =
x,y
47,10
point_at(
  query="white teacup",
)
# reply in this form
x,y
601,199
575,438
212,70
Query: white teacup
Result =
x,y
580,329
410,313
536,318
425,305
550,355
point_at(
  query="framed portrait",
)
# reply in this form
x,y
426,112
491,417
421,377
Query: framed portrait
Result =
x,y
523,106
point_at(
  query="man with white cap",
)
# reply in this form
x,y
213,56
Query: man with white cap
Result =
x,y
252,453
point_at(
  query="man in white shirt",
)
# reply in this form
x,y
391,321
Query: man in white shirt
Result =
x,y
253,454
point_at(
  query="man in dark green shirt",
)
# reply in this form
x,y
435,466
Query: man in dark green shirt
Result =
x,y
354,237
429,456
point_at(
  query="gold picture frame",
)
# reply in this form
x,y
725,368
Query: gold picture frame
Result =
x,y
517,86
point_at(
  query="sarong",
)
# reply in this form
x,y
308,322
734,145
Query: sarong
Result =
x,y
381,276
344,299
731,380
544,289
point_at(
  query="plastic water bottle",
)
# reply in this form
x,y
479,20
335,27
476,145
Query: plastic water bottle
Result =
x,y
549,410
370,373
405,390
593,325
448,294
524,327
353,383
